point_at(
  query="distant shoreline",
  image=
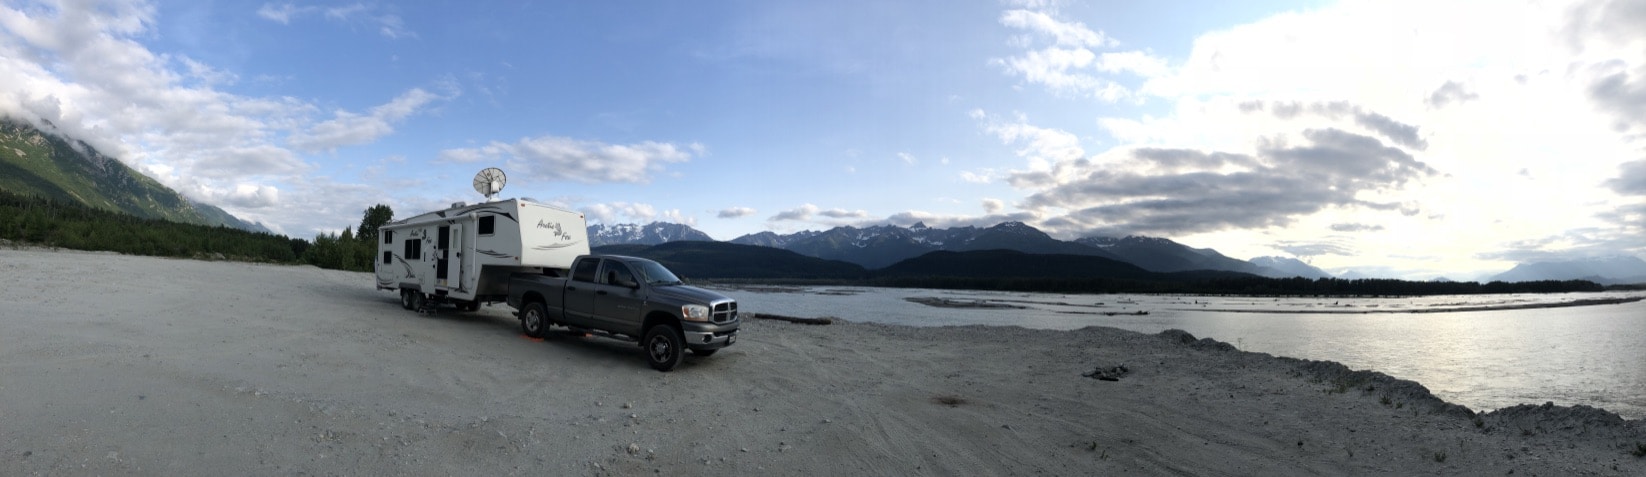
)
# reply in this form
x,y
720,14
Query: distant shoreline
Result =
x,y
1502,307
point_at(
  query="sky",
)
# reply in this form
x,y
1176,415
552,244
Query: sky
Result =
x,y
1404,139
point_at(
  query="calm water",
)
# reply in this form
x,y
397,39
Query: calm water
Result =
x,y
1593,355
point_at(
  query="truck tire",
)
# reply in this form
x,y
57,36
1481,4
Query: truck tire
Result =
x,y
664,347
705,352
534,320
406,299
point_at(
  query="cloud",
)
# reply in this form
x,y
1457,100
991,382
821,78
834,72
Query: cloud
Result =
x,y
907,158
550,158
1068,64
1631,179
802,213
843,214
735,212
387,24
349,129
1399,132
620,212
992,206
282,13
1346,227
1451,93
1165,191
981,177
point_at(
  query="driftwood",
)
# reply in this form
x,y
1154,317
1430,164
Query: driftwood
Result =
x,y
793,319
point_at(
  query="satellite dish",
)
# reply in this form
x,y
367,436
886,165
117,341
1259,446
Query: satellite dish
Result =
x,y
489,182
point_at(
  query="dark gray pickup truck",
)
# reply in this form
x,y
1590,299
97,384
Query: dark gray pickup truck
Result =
x,y
627,298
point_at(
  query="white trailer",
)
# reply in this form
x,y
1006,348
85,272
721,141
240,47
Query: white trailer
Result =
x,y
465,254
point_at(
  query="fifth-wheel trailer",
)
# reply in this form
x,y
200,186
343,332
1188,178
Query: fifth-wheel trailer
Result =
x,y
464,255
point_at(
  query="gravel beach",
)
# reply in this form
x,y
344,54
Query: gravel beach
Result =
x,y
114,364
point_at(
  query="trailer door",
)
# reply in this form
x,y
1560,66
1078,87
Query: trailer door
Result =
x,y
459,257
442,263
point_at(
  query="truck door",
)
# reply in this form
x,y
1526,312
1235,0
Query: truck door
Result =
x,y
616,304
580,289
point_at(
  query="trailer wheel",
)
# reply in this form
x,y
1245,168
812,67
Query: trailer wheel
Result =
x,y
472,306
664,348
406,299
534,321
418,301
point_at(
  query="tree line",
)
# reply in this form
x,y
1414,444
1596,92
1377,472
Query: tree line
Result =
x,y
53,223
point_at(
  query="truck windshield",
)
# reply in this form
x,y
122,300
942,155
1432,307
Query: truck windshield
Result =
x,y
655,274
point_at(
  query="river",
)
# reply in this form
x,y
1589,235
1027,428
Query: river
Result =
x,y
1467,349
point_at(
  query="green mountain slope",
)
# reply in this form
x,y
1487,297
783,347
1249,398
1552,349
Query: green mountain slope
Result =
x,y
33,162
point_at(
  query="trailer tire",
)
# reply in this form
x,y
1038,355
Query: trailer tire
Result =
x,y
418,301
471,306
534,320
664,347
406,299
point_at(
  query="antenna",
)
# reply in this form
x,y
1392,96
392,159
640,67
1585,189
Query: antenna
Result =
x,y
489,182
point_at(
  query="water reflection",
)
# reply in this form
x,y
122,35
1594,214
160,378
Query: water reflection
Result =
x,y
1485,360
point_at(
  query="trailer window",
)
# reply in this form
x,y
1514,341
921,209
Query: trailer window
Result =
x,y
388,257
388,237
414,249
487,224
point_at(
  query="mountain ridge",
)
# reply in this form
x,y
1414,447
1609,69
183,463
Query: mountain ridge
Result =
x,y
39,163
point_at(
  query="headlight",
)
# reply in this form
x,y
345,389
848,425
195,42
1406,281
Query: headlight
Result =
x,y
694,313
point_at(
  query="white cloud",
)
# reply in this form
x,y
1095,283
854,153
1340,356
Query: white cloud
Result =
x,y
388,24
735,212
349,129
907,158
1069,63
622,212
549,158
981,177
802,213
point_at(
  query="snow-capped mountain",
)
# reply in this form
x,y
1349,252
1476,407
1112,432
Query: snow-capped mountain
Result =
x,y
650,234
1163,255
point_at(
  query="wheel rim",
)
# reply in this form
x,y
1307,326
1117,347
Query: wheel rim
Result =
x,y
405,299
660,349
534,321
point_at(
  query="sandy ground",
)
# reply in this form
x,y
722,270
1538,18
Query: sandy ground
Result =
x,y
131,365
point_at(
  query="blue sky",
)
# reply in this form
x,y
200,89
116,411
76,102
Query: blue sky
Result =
x,y
1394,138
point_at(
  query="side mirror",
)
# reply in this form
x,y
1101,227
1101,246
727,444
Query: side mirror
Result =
x,y
627,282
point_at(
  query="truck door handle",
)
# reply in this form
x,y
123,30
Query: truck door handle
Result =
x,y
571,288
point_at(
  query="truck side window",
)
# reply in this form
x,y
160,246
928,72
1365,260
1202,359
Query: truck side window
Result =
x,y
586,269
617,273
488,224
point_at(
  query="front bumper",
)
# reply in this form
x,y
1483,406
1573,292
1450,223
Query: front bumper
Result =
x,y
704,336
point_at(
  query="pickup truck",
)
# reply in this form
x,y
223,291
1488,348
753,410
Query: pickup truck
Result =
x,y
626,298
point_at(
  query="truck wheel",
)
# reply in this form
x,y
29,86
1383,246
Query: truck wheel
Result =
x,y
663,347
406,299
534,321
705,352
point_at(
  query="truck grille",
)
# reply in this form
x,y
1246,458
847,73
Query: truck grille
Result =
x,y
724,312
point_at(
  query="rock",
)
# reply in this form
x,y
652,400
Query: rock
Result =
x,y
1113,373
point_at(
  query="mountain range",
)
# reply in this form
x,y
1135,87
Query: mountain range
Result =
x,y
879,247
34,162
